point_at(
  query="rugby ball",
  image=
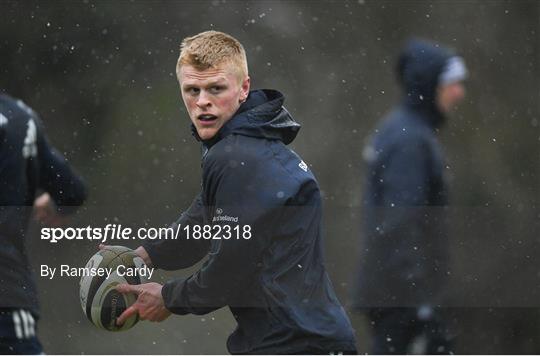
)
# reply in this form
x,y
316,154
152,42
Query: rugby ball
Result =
x,y
101,303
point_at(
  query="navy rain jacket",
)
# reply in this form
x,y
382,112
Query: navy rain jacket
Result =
x,y
274,283
28,165
403,260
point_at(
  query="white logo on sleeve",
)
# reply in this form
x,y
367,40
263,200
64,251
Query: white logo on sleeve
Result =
x,y
3,120
29,148
303,166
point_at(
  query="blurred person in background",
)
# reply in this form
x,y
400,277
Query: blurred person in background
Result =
x,y
33,177
404,252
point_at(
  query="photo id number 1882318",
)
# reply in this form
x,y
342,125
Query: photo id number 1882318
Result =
x,y
217,232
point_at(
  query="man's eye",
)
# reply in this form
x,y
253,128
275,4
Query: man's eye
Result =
x,y
192,91
216,89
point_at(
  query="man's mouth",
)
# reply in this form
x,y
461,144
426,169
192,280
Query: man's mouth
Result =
x,y
207,117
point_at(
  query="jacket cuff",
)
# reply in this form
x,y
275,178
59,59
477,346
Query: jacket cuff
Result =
x,y
151,250
172,296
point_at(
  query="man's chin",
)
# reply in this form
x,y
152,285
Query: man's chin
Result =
x,y
206,133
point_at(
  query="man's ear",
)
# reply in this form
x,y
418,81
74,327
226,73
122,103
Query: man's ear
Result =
x,y
245,89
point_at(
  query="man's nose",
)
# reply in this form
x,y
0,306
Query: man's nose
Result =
x,y
203,100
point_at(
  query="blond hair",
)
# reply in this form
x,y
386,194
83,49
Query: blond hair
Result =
x,y
211,48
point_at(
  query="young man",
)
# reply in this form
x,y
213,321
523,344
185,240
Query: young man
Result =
x,y
28,166
269,271
404,254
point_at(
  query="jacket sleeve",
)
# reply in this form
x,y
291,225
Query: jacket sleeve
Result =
x,y
405,183
406,174
406,217
56,176
180,252
240,201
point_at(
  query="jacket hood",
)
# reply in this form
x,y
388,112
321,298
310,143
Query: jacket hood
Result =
x,y
261,115
419,66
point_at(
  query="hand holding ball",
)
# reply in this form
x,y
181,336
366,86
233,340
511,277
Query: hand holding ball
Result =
x,y
100,300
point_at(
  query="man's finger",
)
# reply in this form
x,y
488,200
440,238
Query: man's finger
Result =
x,y
128,288
132,310
102,246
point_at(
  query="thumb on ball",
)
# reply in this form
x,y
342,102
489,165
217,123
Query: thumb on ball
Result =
x,y
132,310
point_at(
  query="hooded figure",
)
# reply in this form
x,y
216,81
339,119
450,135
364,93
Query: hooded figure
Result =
x,y
404,250
270,272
